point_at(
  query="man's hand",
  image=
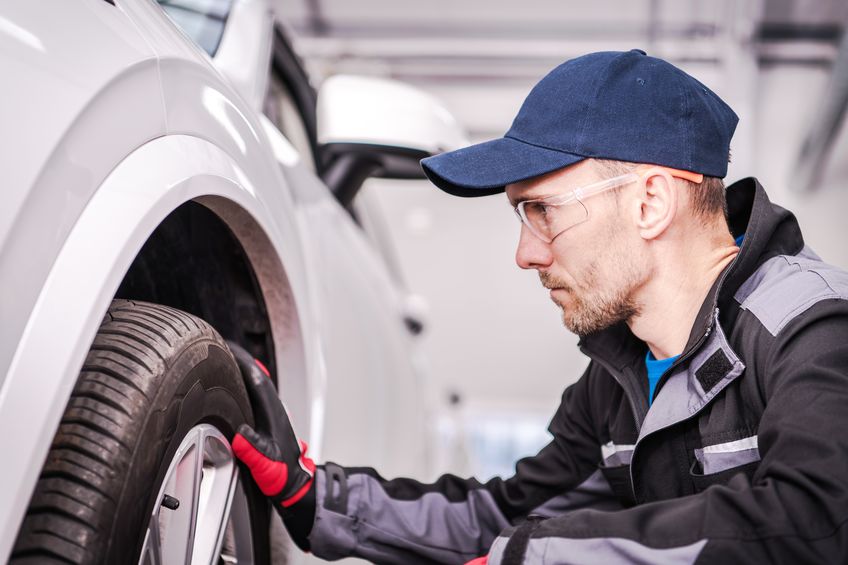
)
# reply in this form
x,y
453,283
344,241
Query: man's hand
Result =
x,y
276,458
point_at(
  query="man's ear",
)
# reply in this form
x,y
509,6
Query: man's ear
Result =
x,y
657,200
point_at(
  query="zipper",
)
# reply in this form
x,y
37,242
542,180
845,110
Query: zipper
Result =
x,y
700,342
627,384
682,358
696,347
678,362
639,441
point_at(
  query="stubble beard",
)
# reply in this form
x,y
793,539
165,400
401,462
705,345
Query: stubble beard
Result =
x,y
593,307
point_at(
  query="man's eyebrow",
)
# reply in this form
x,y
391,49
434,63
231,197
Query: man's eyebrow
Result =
x,y
515,202
519,200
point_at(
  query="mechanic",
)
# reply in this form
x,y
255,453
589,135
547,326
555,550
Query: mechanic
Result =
x,y
711,425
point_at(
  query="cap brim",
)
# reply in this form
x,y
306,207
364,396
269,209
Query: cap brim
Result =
x,y
486,168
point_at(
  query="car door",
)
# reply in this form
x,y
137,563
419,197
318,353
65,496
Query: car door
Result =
x,y
374,398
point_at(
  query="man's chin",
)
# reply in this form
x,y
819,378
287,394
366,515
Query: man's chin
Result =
x,y
581,330
571,325
584,325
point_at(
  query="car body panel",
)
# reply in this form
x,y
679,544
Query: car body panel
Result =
x,y
62,146
133,200
376,418
126,138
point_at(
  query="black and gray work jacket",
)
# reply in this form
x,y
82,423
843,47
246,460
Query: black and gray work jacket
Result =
x,y
741,458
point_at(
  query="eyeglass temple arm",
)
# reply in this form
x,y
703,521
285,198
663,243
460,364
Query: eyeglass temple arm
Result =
x,y
697,178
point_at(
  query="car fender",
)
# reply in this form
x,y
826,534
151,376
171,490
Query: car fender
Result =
x,y
136,196
72,112
99,105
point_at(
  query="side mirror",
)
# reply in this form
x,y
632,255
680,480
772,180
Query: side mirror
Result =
x,y
373,127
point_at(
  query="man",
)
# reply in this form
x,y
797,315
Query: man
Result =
x,y
710,425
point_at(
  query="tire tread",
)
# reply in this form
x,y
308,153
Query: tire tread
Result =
x,y
116,384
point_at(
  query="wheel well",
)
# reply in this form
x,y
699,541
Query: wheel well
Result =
x,y
193,262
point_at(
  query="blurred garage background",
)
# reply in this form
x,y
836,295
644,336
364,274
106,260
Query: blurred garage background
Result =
x,y
498,355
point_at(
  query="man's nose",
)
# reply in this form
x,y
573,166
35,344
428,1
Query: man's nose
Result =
x,y
532,252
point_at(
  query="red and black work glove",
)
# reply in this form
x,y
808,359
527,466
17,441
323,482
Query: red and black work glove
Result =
x,y
276,458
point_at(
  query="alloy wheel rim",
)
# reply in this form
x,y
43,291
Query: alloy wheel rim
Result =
x,y
201,515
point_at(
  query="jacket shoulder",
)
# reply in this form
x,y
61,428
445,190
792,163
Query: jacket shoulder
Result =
x,y
786,286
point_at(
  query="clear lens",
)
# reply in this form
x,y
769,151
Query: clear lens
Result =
x,y
548,217
548,220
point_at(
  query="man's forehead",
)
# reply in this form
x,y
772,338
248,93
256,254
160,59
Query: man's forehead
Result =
x,y
555,182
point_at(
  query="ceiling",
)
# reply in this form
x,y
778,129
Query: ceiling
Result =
x,y
507,41
481,57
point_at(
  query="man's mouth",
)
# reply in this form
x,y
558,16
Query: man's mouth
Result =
x,y
560,295
553,288
547,280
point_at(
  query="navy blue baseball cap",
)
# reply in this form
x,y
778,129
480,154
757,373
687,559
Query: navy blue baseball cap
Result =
x,y
617,105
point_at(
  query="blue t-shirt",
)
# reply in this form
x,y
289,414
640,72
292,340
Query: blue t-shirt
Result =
x,y
656,368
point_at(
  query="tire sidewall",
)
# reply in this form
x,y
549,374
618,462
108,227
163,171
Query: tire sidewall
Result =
x,y
201,384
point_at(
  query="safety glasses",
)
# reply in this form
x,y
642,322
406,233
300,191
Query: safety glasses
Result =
x,y
548,217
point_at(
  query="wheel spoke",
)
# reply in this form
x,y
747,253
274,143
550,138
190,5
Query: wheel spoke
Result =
x,y
239,546
197,480
225,500
151,554
174,523
202,501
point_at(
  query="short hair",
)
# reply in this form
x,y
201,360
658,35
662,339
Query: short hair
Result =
x,y
707,197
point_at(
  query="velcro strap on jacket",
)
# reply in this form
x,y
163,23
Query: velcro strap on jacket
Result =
x,y
516,547
335,476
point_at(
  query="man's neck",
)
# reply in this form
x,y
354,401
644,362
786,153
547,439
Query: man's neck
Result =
x,y
671,300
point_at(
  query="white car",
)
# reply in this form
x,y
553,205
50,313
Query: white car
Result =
x,y
162,193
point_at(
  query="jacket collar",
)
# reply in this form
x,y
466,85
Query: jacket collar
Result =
x,y
769,231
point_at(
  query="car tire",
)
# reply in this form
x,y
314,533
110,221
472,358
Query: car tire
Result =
x,y
153,375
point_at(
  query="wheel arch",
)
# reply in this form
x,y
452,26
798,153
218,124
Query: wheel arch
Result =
x,y
125,212
193,261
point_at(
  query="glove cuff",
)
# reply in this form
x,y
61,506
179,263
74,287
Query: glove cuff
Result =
x,y
299,517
